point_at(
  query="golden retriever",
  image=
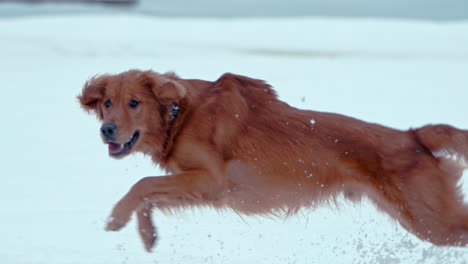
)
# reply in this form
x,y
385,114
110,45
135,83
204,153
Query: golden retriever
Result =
x,y
232,144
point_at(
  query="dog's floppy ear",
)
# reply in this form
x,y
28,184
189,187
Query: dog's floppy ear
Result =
x,y
93,92
171,91
165,87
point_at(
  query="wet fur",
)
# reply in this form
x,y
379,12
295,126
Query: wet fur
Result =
x,y
235,145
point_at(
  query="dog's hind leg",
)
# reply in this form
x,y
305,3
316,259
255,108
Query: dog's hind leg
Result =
x,y
445,141
433,204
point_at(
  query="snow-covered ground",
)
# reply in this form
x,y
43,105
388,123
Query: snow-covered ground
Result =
x,y
58,185
441,10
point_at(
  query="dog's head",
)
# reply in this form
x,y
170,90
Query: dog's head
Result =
x,y
135,108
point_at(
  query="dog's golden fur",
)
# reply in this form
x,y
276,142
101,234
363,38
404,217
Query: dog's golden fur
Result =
x,y
232,144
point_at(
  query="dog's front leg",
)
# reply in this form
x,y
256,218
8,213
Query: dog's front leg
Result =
x,y
146,228
183,189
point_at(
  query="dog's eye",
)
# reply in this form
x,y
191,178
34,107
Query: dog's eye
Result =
x,y
133,103
107,103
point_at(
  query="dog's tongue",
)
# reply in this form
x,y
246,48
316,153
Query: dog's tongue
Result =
x,y
115,148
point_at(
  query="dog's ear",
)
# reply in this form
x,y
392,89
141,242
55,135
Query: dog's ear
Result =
x,y
171,91
165,87
93,93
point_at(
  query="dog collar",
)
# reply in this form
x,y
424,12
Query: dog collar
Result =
x,y
174,112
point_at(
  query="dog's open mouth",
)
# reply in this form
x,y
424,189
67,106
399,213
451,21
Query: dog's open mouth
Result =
x,y
116,149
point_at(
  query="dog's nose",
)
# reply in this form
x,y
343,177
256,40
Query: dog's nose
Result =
x,y
108,130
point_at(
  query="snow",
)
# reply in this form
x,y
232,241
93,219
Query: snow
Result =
x,y
59,185
441,10
415,9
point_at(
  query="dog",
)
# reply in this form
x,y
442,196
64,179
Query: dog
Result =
x,y
232,144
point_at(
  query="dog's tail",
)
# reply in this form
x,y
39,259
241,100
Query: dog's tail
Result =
x,y
445,142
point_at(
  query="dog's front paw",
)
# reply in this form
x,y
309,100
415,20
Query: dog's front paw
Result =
x,y
114,224
120,215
